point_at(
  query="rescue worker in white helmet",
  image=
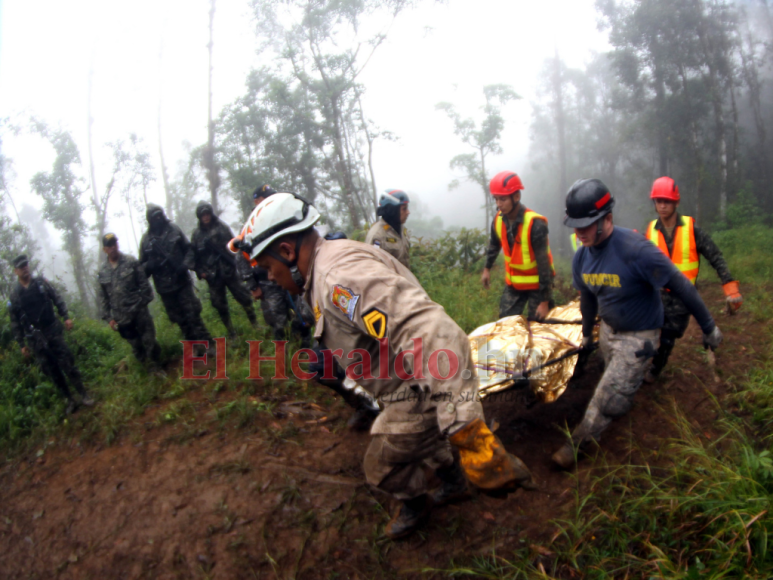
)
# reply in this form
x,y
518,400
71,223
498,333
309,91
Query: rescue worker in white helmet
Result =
x,y
371,312
388,232
619,275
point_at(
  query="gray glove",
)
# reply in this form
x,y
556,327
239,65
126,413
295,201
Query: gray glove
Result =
x,y
713,339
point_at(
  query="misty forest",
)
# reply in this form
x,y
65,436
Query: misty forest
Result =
x,y
239,478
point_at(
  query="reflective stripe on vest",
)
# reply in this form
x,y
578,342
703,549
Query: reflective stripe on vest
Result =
x,y
520,264
576,245
685,256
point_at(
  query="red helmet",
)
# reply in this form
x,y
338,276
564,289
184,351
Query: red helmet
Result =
x,y
665,188
505,183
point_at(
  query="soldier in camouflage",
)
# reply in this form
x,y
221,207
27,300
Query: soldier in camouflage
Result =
x,y
167,255
124,294
37,330
215,264
275,303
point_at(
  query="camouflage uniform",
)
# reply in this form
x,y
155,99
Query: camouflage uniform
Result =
x,y
627,356
513,301
675,314
384,236
359,295
276,303
214,263
167,255
34,306
124,295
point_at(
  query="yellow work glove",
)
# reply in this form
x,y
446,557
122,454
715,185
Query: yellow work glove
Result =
x,y
485,460
733,295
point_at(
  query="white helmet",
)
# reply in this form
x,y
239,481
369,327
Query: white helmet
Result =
x,y
277,216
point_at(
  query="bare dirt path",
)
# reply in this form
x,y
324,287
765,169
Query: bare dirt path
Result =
x,y
284,497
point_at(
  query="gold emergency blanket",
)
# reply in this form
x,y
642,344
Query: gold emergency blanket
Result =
x,y
512,345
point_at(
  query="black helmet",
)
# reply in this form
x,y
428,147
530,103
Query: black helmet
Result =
x,y
263,191
587,202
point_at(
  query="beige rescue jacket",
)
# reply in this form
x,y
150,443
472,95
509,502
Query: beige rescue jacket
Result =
x,y
384,236
361,295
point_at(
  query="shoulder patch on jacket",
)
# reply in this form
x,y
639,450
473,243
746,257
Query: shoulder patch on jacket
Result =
x,y
375,323
345,300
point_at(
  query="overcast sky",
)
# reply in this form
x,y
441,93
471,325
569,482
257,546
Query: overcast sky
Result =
x,y
145,50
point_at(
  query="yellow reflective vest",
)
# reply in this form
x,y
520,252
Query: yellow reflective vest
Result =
x,y
685,254
520,264
576,245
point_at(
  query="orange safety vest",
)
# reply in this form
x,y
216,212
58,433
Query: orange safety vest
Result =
x,y
685,255
520,263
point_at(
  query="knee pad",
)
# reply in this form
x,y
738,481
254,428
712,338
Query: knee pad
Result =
x,y
617,405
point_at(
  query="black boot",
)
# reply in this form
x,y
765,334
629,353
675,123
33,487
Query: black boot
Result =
x,y
85,397
229,326
454,486
660,359
362,418
71,407
252,317
407,518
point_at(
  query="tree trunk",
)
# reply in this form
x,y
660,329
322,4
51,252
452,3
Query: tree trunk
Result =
x,y
213,173
719,120
752,80
486,192
370,140
134,232
164,172
735,180
696,152
558,111
93,175
75,249
660,100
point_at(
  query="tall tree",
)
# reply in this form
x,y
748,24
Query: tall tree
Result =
x,y
96,202
321,51
61,190
484,140
208,155
132,175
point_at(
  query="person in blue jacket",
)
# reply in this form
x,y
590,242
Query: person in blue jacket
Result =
x,y
619,275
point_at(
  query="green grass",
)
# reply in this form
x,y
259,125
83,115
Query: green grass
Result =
x,y
706,513
31,408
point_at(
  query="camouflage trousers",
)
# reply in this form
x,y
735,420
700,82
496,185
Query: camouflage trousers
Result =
x,y
675,321
277,305
396,463
626,358
184,309
140,333
514,301
56,359
217,294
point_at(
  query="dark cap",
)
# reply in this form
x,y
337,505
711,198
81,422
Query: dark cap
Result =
x,y
263,191
109,240
20,261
